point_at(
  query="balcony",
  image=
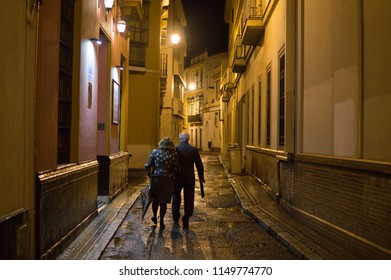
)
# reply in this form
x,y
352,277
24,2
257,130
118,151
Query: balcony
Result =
x,y
226,91
163,64
178,70
254,27
194,118
132,8
177,107
239,63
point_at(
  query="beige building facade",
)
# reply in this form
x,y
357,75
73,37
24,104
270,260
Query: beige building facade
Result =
x,y
308,105
202,100
156,84
173,62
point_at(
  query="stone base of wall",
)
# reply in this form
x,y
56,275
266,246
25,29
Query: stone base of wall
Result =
x,y
66,203
113,174
14,235
346,200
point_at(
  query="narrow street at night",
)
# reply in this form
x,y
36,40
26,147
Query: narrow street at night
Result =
x,y
227,225
276,111
218,229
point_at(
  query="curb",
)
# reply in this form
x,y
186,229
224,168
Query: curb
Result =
x,y
272,226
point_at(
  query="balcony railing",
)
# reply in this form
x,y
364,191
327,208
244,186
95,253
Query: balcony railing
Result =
x,y
133,8
163,64
194,118
239,62
253,27
137,54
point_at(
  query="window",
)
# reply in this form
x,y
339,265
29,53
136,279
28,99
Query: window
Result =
x,y
200,103
248,116
252,115
240,119
259,112
281,136
65,83
268,106
138,43
216,89
201,82
217,118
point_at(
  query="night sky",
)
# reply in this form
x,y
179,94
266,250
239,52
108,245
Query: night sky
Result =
x,y
206,29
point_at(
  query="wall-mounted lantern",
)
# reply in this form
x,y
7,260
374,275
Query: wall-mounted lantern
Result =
x,y
109,5
121,26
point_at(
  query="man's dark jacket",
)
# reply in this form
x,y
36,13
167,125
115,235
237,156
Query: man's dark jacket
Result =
x,y
188,156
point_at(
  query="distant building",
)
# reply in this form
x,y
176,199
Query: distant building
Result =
x,y
308,105
202,100
173,50
156,84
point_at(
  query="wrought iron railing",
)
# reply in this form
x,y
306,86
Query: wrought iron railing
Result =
x,y
194,118
163,64
137,54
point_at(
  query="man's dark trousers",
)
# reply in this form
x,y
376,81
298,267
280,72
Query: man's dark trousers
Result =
x,y
188,197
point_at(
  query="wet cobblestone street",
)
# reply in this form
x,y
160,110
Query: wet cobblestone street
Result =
x,y
219,230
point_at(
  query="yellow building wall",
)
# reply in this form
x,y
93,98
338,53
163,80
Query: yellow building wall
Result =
x,y
143,117
143,103
346,94
48,85
331,69
266,56
17,87
376,87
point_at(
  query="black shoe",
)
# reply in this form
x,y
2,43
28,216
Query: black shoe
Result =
x,y
154,220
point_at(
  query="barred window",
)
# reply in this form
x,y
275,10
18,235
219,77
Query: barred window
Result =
x,y
281,138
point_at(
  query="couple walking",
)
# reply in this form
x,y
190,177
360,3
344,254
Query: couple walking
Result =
x,y
172,170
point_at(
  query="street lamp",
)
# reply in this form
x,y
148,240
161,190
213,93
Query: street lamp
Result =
x,y
192,86
175,38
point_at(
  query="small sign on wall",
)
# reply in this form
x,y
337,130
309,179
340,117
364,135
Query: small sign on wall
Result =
x,y
89,102
116,103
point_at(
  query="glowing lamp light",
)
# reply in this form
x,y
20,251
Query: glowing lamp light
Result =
x,y
109,5
96,40
175,38
192,86
121,26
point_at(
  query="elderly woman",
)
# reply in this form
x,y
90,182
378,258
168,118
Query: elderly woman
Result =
x,y
163,164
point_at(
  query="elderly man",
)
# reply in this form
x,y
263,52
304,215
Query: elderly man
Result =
x,y
188,157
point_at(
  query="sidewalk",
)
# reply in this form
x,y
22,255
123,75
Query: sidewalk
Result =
x,y
90,244
302,241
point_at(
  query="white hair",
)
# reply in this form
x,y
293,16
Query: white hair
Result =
x,y
184,137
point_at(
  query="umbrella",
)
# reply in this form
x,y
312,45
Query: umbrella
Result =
x,y
202,188
146,200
